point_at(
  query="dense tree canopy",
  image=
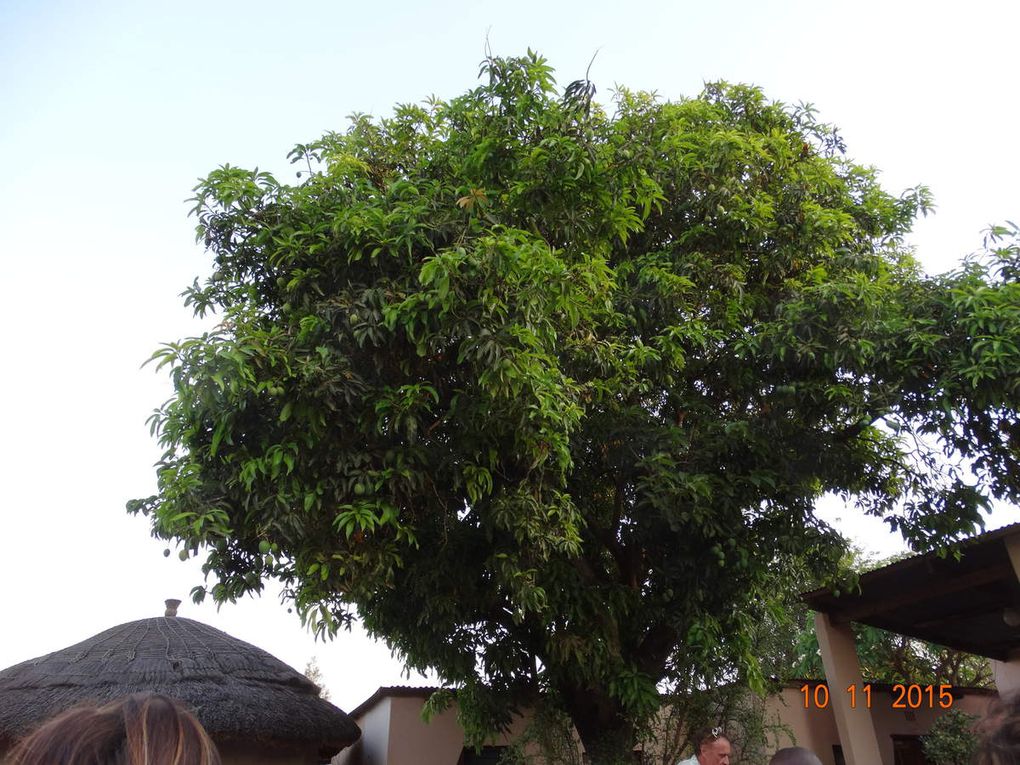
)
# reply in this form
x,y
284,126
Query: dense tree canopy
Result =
x,y
546,394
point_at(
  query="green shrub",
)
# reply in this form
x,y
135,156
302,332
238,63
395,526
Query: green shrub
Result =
x,y
951,740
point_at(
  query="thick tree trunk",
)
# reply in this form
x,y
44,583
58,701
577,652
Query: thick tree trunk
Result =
x,y
608,738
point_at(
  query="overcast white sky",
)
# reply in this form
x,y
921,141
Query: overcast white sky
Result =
x,y
112,109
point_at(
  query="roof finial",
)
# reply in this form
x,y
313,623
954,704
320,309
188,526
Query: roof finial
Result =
x,y
171,606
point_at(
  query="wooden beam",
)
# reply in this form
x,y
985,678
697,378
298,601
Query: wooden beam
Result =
x,y
871,606
961,613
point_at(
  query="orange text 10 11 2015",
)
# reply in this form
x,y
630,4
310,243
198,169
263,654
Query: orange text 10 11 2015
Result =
x,y
912,696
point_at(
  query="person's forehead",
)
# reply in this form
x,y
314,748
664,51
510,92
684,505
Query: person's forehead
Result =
x,y
719,746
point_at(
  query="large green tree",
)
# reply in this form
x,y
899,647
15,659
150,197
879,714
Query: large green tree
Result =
x,y
546,394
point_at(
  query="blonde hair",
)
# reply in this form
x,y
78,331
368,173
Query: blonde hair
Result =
x,y
141,729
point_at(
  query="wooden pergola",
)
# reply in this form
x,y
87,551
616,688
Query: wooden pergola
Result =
x,y
971,603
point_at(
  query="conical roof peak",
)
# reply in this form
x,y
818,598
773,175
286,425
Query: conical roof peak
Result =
x,y
235,688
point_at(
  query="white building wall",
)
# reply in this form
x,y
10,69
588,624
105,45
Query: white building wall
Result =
x,y
373,746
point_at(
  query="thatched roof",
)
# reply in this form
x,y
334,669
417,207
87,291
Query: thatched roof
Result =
x,y
236,689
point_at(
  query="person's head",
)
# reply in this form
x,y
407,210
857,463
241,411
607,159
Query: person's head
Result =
x,y
794,755
712,747
999,734
142,729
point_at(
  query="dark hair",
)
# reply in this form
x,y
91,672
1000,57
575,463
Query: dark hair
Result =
x,y
795,755
999,733
141,729
707,736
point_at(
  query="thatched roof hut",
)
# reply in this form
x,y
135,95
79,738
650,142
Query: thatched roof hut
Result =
x,y
255,707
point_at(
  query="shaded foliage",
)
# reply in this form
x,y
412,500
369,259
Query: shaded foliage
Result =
x,y
951,740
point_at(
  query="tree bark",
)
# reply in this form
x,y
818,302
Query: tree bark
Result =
x,y
608,738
